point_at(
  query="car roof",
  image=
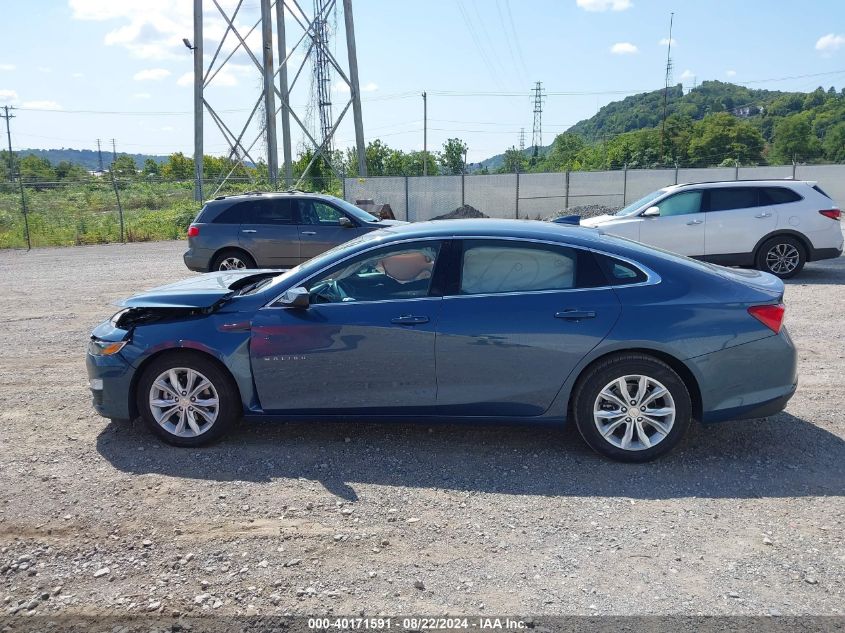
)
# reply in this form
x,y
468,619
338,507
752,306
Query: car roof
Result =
x,y
494,228
774,182
271,194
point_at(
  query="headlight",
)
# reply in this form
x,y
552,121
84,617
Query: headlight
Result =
x,y
96,347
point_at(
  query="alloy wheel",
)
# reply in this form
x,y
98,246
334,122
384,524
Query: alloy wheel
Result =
x,y
782,258
634,412
184,402
232,263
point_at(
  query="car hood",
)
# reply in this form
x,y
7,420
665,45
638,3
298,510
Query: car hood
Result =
x,y
202,291
390,222
598,220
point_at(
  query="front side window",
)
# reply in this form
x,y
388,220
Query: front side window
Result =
x,y
498,266
682,203
318,213
732,198
394,272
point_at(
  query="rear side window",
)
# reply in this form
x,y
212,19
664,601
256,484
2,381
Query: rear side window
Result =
x,y
268,212
494,266
620,273
819,189
732,198
231,215
778,195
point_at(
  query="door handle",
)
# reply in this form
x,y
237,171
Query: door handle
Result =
x,y
409,319
309,232
691,222
763,215
575,315
249,231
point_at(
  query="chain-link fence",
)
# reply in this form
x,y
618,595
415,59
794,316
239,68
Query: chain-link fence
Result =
x,y
544,195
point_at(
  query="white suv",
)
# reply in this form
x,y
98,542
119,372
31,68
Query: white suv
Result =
x,y
773,225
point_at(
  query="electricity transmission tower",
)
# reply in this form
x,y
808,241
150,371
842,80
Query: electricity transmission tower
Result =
x,y
273,102
100,156
522,139
537,136
666,86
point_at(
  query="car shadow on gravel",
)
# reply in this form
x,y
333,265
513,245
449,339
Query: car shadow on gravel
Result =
x,y
782,456
827,272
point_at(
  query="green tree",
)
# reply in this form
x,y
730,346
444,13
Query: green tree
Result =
x,y
722,136
66,170
151,169
834,143
178,167
451,159
794,140
124,166
514,161
562,153
34,169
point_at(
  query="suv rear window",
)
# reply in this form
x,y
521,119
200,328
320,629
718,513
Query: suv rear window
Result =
x,y
778,195
732,198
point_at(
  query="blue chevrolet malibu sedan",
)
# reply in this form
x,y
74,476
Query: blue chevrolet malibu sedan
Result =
x,y
484,320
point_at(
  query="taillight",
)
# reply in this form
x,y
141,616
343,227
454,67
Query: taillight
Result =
x,y
833,214
193,230
769,315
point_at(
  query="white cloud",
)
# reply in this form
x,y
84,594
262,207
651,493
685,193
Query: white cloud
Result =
x,y
623,48
730,73
665,41
42,105
44,69
186,80
77,75
370,86
687,75
8,96
141,95
7,66
830,42
604,5
223,79
151,74
167,128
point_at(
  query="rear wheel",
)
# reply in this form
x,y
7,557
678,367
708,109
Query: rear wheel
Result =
x,y
632,408
187,399
783,256
232,259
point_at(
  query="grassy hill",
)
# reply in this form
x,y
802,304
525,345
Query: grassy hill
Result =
x,y
86,158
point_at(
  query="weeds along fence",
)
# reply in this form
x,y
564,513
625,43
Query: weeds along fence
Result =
x,y
99,211
543,195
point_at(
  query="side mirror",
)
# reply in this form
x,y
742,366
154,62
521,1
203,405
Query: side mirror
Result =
x,y
298,297
345,222
651,212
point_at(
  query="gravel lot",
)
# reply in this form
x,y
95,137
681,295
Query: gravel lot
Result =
x,y
100,518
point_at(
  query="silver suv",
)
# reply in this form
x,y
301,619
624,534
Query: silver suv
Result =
x,y
272,230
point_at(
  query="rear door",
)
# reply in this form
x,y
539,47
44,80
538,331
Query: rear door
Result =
x,y
268,230
320,229
679,227
520,318
737,217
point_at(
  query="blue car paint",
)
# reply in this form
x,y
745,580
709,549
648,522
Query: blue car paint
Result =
x,y
330,365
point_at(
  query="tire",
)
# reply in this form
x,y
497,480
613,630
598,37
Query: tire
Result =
x,y
232,259
668,429
211,421
782,256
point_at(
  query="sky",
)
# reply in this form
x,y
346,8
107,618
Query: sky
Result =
x,y
79,70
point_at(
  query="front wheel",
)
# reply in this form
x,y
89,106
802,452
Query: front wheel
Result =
x,y
632,408
781,256
187,399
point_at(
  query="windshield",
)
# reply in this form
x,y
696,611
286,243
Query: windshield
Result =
x,y
354,211
639,204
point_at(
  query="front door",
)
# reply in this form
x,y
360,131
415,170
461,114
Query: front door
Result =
x,y
364,344
268,230
320,228
680,227
523,317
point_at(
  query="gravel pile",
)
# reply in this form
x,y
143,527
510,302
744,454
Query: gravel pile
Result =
x,y
100,518
461,213
587,210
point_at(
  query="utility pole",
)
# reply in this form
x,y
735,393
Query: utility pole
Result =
x,y
666,87
100,156
199,85
284,94
8,118
269,93
537,136
113,151
425,134
355,88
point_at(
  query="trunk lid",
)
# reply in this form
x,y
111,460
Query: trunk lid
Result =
x,y
756,279
202,291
